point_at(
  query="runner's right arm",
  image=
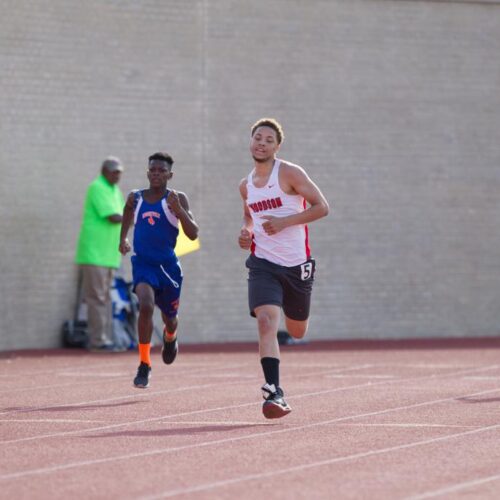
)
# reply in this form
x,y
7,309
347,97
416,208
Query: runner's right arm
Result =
x,y
127,220
246,233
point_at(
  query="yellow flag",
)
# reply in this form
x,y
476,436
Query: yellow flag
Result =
x,y
184,245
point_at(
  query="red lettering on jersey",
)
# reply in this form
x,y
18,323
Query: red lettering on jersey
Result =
x,y
259,206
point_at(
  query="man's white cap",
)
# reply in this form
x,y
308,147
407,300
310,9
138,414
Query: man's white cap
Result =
x,y
112,164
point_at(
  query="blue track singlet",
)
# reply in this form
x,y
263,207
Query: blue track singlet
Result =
x,y
156,230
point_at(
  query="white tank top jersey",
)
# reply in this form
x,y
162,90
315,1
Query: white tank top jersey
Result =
x,y
289,247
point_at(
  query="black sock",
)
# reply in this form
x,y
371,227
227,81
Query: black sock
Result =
x,y
271,367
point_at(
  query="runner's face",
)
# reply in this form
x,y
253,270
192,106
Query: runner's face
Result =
x,y
158,173
264,144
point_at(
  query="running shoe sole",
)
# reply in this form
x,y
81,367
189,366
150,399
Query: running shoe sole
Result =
x,y
272,410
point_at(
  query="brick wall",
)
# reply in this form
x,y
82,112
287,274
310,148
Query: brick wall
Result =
x,y
391,106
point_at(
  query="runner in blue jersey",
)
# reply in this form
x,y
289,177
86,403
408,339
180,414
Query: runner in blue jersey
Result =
x,y
156,213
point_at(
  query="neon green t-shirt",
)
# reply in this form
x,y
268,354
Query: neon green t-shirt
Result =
x,y
100,238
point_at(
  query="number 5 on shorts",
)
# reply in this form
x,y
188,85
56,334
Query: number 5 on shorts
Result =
x,y
306,271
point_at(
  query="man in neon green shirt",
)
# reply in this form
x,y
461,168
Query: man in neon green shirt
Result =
x,y
97,252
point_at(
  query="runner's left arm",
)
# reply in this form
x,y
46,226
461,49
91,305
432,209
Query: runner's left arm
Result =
x,y
179,204
301,184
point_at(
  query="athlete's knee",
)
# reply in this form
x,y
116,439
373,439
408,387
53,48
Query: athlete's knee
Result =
x,y
298,334
146,308
297,329
265,322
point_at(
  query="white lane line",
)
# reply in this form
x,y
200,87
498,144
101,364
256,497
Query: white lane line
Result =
x,y
313,465
57,386
139,394
163,417
93,374
232,407
495,378
113,379
122,364
430,365
226,423
405,426
314,373
201,371
266,434
53,420
456,487
362,376
329,366
326,373
451,426
223,375
149,393
71,366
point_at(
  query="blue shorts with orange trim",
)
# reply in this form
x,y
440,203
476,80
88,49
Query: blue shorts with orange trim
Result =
x,y
164,279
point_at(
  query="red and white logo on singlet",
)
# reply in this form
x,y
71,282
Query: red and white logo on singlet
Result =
x,y
151,216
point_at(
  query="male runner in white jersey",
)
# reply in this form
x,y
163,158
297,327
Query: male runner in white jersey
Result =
x,y
281,271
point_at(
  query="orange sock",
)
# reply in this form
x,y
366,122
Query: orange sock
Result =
x,y
144,353
169,336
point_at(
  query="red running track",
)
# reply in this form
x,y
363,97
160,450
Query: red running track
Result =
x,y
376,420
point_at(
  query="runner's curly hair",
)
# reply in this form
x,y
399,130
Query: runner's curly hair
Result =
x,y
271,123
162,157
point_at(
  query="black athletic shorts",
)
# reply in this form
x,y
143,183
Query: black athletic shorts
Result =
x,y
287,287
